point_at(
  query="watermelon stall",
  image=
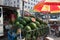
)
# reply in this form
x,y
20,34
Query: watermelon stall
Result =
x,y
28,26
31,27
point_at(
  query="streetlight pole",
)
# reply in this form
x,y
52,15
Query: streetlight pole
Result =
x,y
22,8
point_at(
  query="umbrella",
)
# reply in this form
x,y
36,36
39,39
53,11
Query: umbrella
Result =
x,y
52,7
49,6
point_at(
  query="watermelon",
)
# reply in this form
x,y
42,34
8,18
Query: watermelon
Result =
x,y
42,25
27,19
27,28
34,37
17,23
37,23
22,22
21,26
19,18
40,21
28,36
33,25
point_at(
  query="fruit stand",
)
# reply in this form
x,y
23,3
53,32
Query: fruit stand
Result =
x,y
32,28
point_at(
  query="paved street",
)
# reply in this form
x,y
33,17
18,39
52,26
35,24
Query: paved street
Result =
x,y
54,37
50,36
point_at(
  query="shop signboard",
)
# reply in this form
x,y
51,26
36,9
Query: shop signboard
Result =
x,y
1,21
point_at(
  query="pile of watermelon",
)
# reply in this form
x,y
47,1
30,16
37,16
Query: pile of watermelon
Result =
x,y
29,24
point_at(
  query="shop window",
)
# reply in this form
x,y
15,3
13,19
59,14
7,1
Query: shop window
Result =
x,y
28,2
14,2
17,0
17,5
28,6
25,6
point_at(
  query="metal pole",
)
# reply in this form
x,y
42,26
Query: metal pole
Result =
x,y
48,23
22,8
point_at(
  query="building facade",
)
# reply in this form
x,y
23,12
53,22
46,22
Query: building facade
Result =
x,y
13,3
28,6
18,3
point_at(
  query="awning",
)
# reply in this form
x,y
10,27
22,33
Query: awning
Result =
x,y
10,7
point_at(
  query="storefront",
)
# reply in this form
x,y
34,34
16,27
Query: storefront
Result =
x,y
6,12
